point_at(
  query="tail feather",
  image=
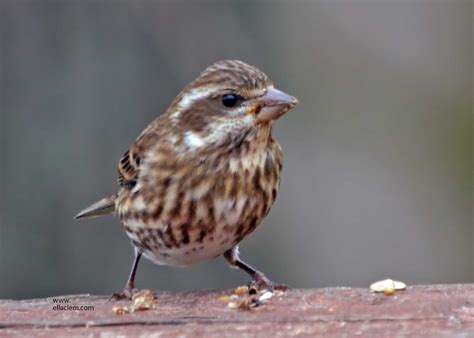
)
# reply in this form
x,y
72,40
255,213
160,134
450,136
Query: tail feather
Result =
x,y
103,207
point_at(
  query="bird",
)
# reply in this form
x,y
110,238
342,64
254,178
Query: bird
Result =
x,y
203,175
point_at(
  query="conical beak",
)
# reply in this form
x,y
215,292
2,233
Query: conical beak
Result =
x,y
273,104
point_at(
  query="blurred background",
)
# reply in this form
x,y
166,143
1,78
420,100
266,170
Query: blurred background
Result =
x,y
378,174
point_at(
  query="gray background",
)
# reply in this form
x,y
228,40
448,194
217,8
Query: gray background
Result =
x,y
378,155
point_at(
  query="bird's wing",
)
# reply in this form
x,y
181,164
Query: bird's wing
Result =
x,y
129,165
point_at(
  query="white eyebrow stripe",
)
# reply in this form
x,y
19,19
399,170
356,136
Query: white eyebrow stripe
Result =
x,y
188,99
191,97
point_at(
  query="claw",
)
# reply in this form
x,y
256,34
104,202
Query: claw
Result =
x,y
280,287
260,282
126,294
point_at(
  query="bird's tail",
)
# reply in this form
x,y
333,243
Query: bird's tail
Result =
x,y
103,207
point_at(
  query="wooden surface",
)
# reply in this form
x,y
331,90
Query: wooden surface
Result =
x,y
438,310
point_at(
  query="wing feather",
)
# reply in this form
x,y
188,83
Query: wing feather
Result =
x,y
129,165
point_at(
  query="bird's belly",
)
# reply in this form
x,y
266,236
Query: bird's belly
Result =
x,y
189,254
165,249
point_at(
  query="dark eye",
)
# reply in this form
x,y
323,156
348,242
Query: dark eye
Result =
x,y
229,100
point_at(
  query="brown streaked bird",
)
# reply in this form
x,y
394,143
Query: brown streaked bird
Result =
x,y
202,176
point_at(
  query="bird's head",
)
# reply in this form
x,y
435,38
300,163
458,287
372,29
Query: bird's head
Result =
x,y
227,99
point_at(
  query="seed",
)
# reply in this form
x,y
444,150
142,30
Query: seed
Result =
x,y
120,310
241,290
266,296
387,286
143,300
225,299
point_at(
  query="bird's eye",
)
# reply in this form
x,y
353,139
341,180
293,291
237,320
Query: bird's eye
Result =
x,y
229,100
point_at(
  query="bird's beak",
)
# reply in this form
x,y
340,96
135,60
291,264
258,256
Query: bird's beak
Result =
x,y
273,104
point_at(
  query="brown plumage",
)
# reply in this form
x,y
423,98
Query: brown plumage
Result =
x,y
203,175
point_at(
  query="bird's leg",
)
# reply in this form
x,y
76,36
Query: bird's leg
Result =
x,y
259,280
129,288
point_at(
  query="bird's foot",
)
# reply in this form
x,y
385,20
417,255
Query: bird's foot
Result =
x,y
260,282
126,294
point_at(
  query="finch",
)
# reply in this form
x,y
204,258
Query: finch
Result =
x,y
203,175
